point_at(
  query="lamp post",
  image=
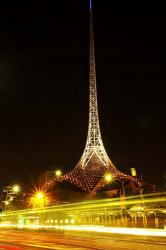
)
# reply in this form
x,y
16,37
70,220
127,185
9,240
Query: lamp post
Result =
x,y
11,192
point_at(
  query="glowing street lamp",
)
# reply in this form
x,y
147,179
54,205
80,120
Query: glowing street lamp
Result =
x,y
108,178
11,191
16,188
39,199
39,195
58,173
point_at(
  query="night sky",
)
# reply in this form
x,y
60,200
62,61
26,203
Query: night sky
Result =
x,y
44,85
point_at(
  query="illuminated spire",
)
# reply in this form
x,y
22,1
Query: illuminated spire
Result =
x,y
90,2
94,142
94,164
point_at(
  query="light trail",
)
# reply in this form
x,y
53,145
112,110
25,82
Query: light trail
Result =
x,y
75,215
104,203
97,229
116,230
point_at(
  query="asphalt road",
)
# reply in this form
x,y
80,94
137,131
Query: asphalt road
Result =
x,y
31,240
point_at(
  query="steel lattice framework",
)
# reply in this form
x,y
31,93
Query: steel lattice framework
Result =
x,y
94,142
94,163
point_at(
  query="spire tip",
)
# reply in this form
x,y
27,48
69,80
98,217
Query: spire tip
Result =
x,y
90,4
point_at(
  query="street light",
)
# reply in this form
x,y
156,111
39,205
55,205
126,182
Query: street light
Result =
x,y
39,195
108,178
39,199
16,188
58,173
11,192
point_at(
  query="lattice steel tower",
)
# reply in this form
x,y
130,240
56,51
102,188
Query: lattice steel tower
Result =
x,y
94,142
94,163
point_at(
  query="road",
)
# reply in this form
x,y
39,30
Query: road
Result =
x,y
60,240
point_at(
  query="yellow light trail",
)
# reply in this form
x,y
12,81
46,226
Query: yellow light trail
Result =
x,y
21,218
95,204
97,229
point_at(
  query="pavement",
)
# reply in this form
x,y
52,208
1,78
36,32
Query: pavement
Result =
x,y
62,240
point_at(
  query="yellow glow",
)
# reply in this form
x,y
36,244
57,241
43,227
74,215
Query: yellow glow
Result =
x,y
66,221
39,195
72,221
103,203
16,188
58,173
133,172
99,229
38,199
36,217
108,178
87,207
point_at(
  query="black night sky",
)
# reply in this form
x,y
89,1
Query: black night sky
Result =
x,y
44,85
